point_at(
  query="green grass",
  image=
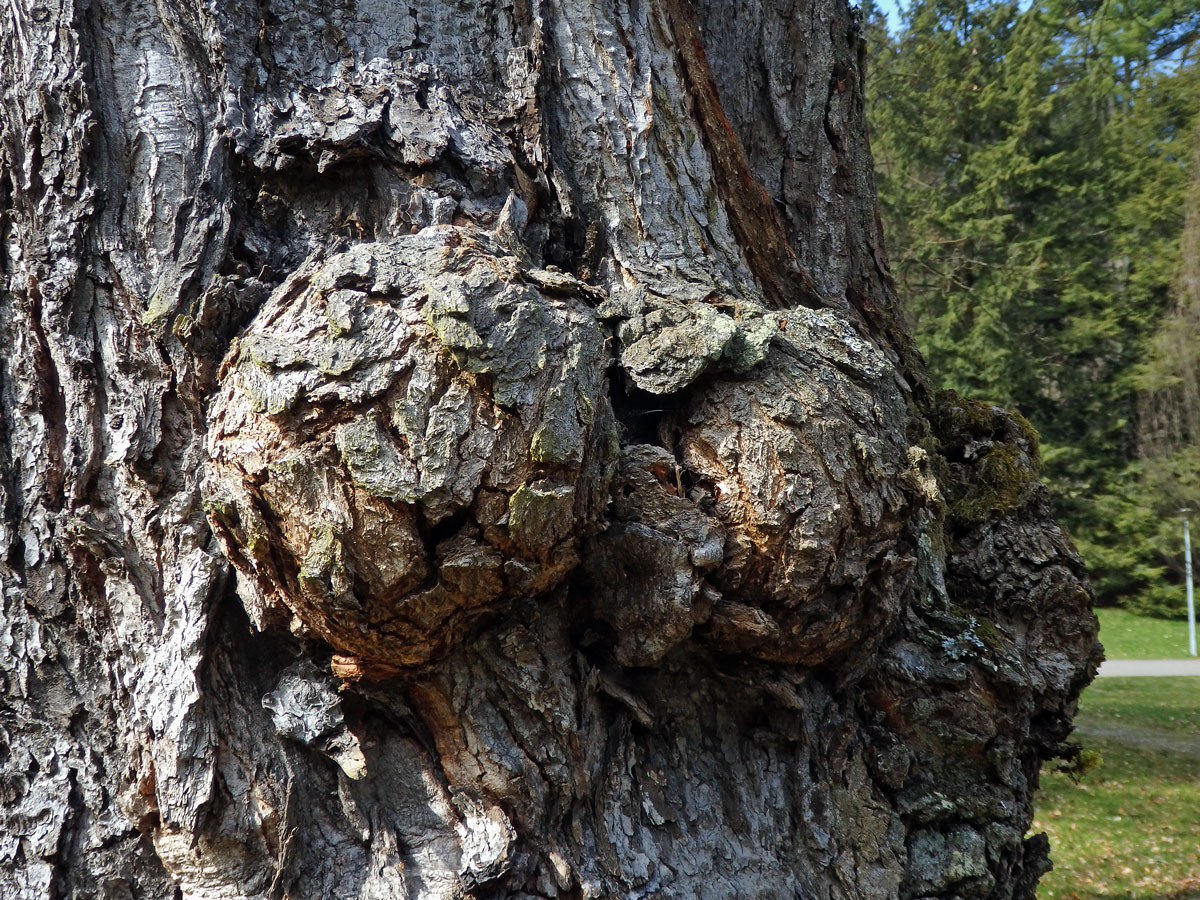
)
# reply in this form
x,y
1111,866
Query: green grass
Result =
x,y
1126,636
1130,828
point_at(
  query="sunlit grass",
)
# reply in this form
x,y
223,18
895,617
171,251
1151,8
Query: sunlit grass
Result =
x,y
1130,828
1126,636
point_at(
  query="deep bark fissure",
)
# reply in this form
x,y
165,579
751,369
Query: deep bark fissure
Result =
x,y
755,221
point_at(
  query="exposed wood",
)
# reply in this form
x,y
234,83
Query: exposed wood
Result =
x,y
751,211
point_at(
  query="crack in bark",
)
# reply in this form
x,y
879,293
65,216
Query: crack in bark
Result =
x,y
756,222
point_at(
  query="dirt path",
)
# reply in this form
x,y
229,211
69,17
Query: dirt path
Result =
x,y
1138,737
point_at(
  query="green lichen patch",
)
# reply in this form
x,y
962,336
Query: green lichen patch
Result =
x,y
541,514
325,570
959,421
162,305
1001,481
270,389
454,331
374,464
750,342
559,438
991,456
666,343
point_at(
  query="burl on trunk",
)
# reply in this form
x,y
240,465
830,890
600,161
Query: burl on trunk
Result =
x,y
473,449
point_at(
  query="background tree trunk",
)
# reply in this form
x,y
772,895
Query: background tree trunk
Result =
x,y
471,449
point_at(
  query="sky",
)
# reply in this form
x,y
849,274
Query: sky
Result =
x,y
891,9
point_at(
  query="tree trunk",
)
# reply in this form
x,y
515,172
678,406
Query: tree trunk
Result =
x,y
472,449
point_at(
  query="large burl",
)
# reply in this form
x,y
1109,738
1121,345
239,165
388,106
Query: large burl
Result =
x,y
413,432
409,433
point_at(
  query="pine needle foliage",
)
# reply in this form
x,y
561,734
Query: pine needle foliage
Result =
x,y
1034,163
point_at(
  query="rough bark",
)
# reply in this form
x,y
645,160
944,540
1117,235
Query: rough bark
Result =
x,y
472,449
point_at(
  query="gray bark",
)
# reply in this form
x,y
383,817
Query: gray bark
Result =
x,y
472,449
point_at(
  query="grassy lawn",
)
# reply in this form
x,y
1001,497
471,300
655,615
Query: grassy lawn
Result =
x,y
1126,636
1130,828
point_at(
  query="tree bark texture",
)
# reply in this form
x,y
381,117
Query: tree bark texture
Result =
x,y
471,449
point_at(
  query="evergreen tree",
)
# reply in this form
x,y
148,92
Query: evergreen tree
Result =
x,y
1032,165
1169,422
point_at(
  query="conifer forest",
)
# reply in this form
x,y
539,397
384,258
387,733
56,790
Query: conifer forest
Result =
x,y
1040,190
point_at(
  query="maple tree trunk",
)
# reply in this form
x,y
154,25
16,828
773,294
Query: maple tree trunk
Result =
x,y
473,449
